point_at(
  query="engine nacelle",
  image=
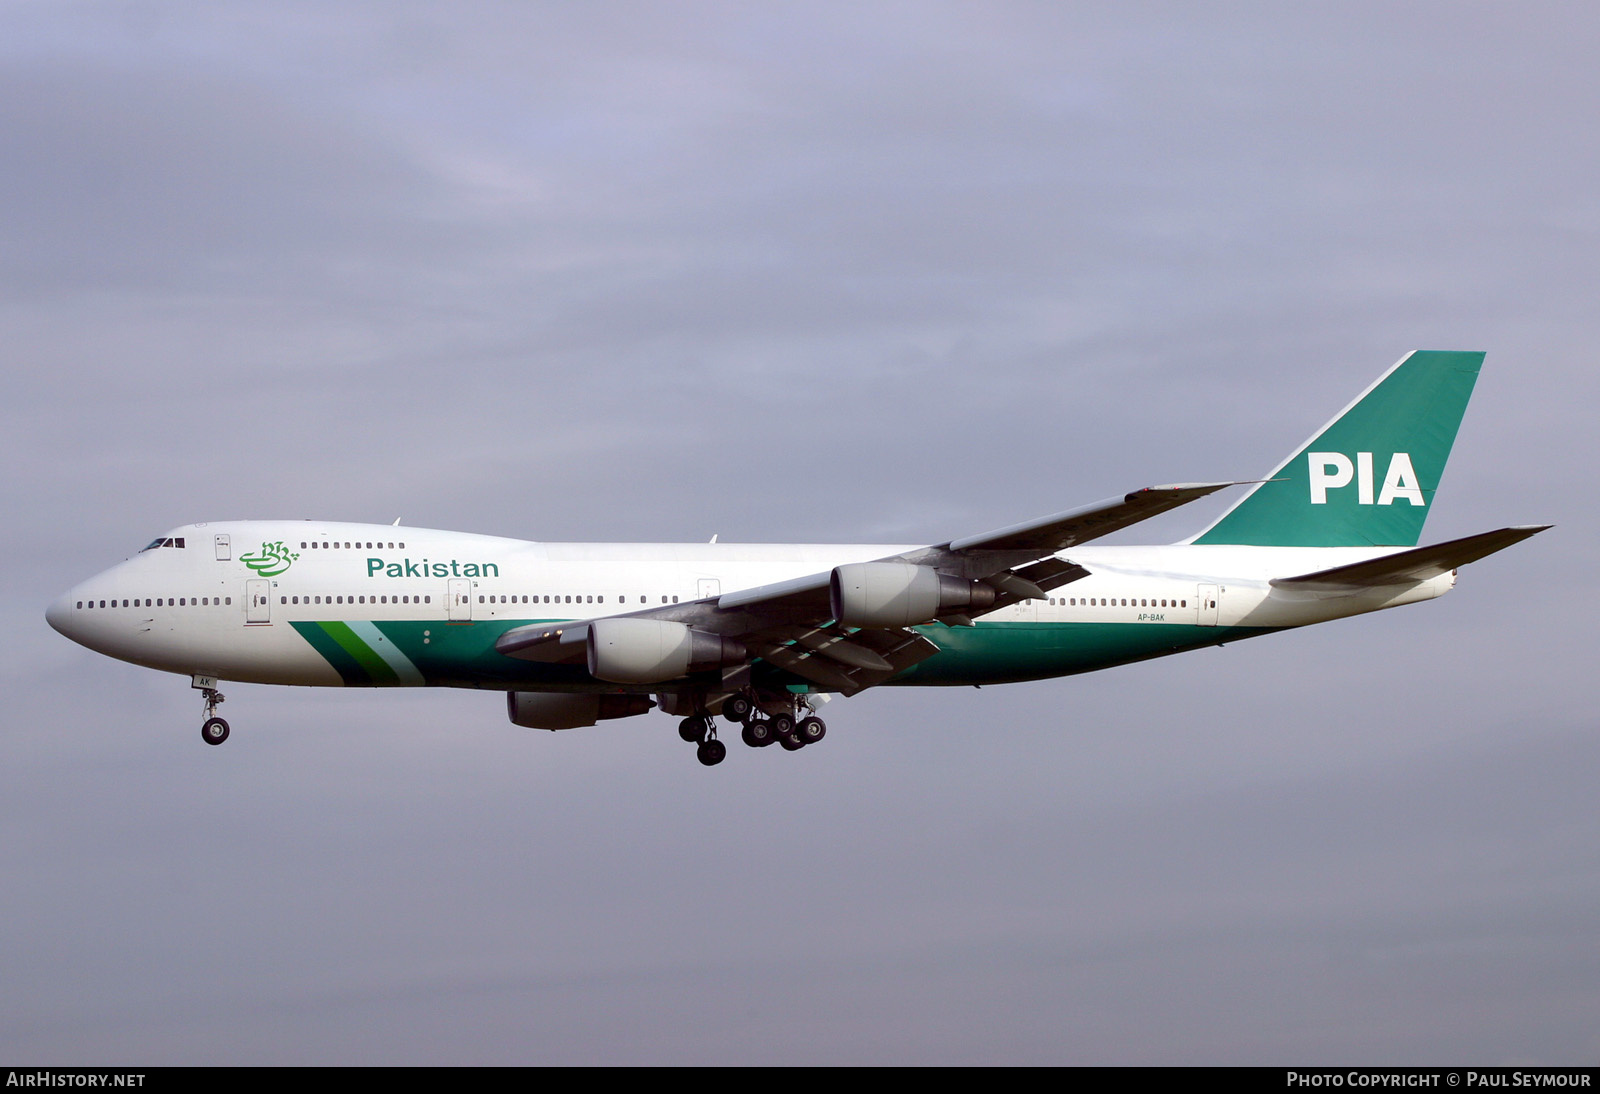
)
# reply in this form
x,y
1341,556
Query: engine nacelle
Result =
x,y
899,594
559,710
649,651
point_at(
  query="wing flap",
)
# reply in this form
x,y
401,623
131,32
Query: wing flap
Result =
x,y
879,654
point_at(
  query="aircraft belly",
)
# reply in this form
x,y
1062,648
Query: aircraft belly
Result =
x,y
435,653
998,653
260,654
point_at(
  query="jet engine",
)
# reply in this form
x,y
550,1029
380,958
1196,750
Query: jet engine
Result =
x,y
899,594
560,710
648,651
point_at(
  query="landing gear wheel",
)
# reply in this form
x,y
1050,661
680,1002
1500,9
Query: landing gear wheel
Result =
x,y
711,752
757,733
214,732
791,742
810,730
782,725
736,708
693,728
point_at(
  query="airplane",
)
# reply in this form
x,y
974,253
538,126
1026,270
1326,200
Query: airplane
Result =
x,y
761,635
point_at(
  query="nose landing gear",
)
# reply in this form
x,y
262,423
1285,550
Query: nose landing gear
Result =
x,y
215,730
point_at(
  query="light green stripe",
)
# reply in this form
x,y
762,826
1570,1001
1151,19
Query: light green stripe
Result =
x,y
373,665
401,665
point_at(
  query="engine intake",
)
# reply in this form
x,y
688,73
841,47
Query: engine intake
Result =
x,y
900,594
648,651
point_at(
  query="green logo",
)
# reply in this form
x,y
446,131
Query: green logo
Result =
x,y
271,560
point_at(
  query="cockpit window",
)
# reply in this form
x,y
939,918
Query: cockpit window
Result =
x,y
168,541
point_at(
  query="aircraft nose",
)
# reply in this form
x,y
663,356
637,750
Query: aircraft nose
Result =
x,y
59,614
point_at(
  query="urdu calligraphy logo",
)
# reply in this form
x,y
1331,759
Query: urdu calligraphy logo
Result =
x,y
271,560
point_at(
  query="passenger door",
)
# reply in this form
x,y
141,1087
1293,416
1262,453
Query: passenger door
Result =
x,y
459,600
258,600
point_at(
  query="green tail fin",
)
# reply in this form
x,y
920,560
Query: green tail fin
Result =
x,y
1368,477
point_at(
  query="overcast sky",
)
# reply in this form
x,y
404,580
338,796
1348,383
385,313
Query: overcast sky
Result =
x,y
778,272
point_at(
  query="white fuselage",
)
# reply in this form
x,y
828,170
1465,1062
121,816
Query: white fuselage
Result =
x,y
332,604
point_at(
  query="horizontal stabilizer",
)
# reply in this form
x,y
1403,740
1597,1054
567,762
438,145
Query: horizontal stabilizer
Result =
x,y
1409,567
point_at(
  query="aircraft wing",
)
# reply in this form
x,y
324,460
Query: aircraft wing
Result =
x,y
792,624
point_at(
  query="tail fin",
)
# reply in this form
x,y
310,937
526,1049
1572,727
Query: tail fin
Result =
x,y
1368,477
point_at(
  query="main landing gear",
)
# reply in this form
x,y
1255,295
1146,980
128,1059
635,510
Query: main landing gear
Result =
x,y
758,729
215,730
701,730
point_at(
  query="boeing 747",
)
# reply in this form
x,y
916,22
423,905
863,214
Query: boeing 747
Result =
x,y
760,634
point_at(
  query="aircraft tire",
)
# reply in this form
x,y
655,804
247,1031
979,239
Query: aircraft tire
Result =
x,y
711,752
811,730
791,742
757,733
736,708
214,732
692,729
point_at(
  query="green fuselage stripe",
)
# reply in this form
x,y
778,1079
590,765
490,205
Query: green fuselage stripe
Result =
x,y
463,655
377,670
